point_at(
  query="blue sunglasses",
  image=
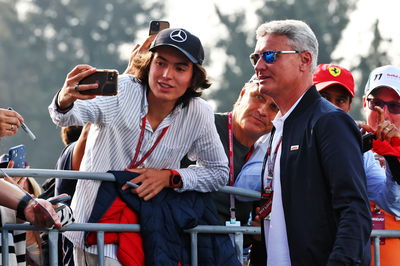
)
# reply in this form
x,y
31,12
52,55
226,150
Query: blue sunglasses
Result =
x,y
269,56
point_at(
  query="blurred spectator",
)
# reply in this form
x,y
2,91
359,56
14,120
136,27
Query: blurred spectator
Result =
x,y
381,103
336,84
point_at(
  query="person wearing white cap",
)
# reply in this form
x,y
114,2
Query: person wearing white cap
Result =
x,y
383,92
382,108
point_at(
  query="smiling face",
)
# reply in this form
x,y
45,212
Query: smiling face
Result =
x,y
170,75
253,112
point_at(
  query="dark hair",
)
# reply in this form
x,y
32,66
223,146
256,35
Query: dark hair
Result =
x,y
140,68
70,134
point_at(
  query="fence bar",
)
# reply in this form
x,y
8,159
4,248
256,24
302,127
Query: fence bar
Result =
x,y
239,246
100,247
221,229
65,174
53,247
193,238
386,233
4,246
377,253
69,174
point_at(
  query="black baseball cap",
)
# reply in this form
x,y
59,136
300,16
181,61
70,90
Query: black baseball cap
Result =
x,y
182,40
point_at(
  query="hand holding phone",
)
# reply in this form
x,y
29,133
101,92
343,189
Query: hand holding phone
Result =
x,y
107,81
157,25
18,155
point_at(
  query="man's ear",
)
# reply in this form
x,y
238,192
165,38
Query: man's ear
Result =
x,y
306,60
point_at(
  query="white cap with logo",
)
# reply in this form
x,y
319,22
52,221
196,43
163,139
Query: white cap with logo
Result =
x,y
385,76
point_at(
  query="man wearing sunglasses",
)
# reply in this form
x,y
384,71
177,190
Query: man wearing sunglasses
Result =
x,y
315,199
382,108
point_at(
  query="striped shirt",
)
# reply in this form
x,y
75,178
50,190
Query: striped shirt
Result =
x,y
114,135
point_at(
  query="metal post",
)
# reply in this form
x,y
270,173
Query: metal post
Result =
x,y
100,247
239,245
4,246
53,247
193,238
377,255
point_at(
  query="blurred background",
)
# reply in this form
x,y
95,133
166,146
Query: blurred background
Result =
x,y
42,40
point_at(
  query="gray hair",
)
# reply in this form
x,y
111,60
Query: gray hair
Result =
x,y
300,36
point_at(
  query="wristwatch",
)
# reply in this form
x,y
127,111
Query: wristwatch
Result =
x,y
175,179
22,205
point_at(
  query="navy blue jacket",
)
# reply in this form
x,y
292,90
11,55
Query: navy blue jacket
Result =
x,y
163,219
324,194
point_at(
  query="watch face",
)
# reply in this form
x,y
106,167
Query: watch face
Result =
x,y
176,179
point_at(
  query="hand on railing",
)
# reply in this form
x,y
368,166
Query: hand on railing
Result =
x,y
152,181
41,213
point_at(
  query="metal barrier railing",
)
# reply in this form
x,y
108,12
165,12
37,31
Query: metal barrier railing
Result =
x,y
102,228
238,231
65,174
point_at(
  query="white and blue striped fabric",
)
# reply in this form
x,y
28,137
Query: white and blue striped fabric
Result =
x,y
114,135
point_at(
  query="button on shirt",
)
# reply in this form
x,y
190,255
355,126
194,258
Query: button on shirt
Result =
x,y
114,135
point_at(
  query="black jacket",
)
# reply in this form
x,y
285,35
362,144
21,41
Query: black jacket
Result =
x,y
163,220
323,183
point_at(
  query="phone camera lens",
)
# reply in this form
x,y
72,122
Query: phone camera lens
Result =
x,y
111,76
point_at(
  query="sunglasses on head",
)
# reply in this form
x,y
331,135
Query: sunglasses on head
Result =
x,y
269,56
393,107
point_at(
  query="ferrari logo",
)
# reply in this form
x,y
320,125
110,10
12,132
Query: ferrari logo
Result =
x,y
334,71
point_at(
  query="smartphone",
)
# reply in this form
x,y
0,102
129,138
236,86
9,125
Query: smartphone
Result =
x,y
367,141
60,199
107,80
157,25
18,155
132,185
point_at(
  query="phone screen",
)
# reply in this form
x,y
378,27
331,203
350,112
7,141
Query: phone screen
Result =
x,y
157,25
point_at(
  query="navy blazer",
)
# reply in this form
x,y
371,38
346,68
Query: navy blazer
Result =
x,y
324,193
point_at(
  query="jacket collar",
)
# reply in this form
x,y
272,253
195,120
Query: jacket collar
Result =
x,y
311,96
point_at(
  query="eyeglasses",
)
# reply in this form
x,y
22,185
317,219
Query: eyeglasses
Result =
x,y
393,107
269,56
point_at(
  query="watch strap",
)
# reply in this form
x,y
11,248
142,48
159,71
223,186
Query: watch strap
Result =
x,y
175,179
22,205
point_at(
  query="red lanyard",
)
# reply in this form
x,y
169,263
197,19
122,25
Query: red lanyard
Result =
x,y
230,147
270,162
135,164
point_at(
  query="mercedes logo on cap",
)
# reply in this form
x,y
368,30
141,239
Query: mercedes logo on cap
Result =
x,y
178,35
